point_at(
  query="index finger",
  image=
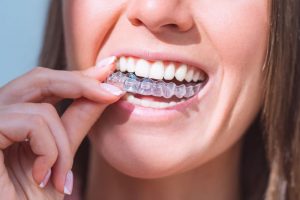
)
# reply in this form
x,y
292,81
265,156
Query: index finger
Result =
x,y
41,84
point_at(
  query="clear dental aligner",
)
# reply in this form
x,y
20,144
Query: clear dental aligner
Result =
x,y
131,83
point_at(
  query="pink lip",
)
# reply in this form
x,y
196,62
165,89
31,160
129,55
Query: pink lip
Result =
x,y
162,56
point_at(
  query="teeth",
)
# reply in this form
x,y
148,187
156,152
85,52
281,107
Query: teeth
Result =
x,y
196,76
148,103
158,70
130,65
123,64
169,72
145,86
189,75
181,72
142,68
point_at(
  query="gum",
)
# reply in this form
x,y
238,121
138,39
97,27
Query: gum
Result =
x,y
145,86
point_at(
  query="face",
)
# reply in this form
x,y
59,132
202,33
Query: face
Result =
x,y
223,41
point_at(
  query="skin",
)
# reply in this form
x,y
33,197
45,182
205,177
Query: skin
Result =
x,y
193,154
229,37
30,114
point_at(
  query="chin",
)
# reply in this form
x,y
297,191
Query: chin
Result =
x,y
142,153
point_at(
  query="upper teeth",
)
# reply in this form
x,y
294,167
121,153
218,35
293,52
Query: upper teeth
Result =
x,y
158,70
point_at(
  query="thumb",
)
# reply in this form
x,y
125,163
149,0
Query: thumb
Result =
x,y
82,114
78,119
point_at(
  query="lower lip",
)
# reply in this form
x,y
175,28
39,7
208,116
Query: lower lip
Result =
x,y
141,113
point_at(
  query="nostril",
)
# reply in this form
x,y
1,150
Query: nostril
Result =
x,y
172,26
136,22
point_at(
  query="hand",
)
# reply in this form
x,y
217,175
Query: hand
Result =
x,y
27,112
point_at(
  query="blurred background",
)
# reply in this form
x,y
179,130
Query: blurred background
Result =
x,y
22,23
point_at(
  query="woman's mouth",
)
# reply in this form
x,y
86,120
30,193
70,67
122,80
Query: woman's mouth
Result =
x,y
157,84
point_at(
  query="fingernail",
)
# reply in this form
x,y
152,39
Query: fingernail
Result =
x,y
69,183
106,61
46,179
111,89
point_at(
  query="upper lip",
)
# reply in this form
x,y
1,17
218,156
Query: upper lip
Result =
x,y
162,56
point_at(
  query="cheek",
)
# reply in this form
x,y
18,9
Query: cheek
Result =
x,y
237,30
86,24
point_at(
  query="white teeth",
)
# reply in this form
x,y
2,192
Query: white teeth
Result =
x,y
123,64
169,72
196,76
157,70
142,68
129,98
189,75
130,65
148,103
181,72
172,103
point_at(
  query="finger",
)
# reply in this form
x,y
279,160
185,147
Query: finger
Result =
x,y
41,83
102,69
79,118
82,114
49,114
17,127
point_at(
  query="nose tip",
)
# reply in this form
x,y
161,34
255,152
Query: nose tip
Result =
x,y
157,15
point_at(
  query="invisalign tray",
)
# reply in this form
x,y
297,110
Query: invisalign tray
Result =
x,y
145,86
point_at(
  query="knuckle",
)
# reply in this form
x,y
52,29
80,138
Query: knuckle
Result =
x,y
53,154
37,120
38,70
49,108
40,73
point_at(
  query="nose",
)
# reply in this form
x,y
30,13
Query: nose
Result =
x,y
157,15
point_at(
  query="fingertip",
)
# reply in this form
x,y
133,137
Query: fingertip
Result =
x,y
46,179
112,89
69,180
63,182
104,93
102,69
41,173
106,61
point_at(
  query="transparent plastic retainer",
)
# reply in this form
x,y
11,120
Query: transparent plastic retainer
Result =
x,y
131,83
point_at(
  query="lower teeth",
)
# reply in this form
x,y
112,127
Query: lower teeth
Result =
x,y
131,83
148,103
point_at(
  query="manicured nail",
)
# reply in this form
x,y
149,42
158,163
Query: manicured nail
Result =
x,y
46,179
111,89
69,183
106,61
